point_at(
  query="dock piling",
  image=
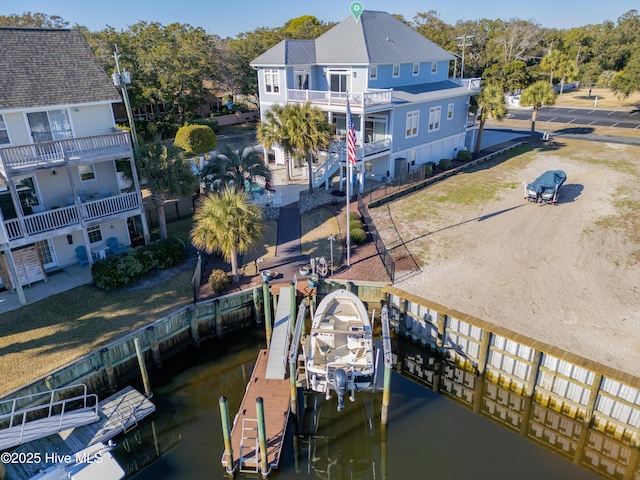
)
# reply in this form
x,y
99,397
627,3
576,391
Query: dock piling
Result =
x,y
155,349
108,367
262,437
292,311
226,433
143,368
267,311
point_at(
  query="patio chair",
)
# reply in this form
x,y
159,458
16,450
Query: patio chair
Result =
x,y
81,255
115,246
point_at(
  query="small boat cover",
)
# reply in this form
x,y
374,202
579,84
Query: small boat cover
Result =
x,y
546,183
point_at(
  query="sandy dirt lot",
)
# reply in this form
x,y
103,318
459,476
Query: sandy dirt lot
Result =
x,y
567,275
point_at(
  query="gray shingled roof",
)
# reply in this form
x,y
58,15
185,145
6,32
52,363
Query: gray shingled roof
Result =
x,y
42,67
289,52
376,38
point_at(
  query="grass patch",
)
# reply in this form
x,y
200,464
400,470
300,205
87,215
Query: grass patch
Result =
x,y
266,249
316,227
180,229
40,337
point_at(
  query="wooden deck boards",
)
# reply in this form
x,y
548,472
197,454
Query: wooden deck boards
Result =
x,y
276,396
116,415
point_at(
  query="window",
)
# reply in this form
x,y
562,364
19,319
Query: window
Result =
x,y
416,69
4,134
412,124
373,72
94,234
339,80
86,173
49,125
396,71
434,67
271,80
434,119
450,111
301,79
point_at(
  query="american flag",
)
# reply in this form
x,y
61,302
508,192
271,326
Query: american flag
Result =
x,y
351,137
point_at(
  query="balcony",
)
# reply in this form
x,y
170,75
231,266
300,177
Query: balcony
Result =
x,y
67,216
468,83
366,99
23,158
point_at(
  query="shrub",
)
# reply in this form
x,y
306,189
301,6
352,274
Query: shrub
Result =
x,y
218,281
167,129
195,139
464,155
444,163
355,224
358,236
428,168
354,216
121,270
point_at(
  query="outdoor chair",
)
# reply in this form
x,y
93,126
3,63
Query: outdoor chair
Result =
x,y
115,246
81,255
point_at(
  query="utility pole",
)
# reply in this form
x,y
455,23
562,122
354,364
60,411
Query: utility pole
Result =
x,y
120,79
463,43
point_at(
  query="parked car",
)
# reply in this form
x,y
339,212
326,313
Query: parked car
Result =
x,y
546,187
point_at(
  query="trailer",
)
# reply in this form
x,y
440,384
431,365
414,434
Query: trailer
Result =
x,y
546,188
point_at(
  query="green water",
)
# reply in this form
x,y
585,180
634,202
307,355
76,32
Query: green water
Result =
x,y
428,436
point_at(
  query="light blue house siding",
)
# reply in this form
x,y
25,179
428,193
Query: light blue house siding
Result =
x,y
385,78
281,78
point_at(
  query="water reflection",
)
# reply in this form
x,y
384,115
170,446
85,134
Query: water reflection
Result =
x,y
428,435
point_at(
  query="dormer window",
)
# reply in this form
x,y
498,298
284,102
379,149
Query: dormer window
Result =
x,y
416,69
396,70
271,80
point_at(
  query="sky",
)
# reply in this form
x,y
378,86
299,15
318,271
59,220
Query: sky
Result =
x,y
227,18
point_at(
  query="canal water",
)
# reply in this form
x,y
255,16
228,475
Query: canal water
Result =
x,y
428,436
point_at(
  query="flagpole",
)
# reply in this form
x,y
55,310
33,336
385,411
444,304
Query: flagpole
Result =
x,y
348,212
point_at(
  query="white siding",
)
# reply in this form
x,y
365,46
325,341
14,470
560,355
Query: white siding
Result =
x,y
92,120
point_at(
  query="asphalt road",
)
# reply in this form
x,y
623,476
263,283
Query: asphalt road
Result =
x,y
581,116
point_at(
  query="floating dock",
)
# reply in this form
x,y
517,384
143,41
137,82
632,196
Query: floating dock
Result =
x,y
118,413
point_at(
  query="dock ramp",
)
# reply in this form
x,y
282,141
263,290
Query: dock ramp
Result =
x,y
280,337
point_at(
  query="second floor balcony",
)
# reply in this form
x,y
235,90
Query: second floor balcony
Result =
x,y
323,97
57,153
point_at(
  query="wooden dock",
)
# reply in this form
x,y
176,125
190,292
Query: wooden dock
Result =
x,y
118,413
276,395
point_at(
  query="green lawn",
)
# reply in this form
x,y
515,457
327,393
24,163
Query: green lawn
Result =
x,y
316,227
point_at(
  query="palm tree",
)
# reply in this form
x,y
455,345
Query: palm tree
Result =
x,y
229,224
241,166
537,95
299,129
492,104
275,130
310,132
166,173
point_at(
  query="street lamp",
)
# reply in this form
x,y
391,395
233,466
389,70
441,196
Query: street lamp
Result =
x,y
331,239
120,79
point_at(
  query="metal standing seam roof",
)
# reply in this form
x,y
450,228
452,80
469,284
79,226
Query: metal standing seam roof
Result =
x,y
46,67
376,38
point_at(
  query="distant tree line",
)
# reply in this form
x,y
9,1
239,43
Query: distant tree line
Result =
x,y
175,66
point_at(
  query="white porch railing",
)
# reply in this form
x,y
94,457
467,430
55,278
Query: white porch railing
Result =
x,y
53,153
66,216
469,83
366,99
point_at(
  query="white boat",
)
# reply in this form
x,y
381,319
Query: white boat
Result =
x,y
339,350
92,463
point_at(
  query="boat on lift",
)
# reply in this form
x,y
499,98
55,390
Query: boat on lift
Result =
x,y
339,353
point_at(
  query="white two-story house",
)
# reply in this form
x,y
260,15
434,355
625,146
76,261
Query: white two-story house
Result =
x,y
59,144
406,109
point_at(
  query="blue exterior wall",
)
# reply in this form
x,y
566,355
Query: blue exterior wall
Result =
x,y
447,127
385,75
